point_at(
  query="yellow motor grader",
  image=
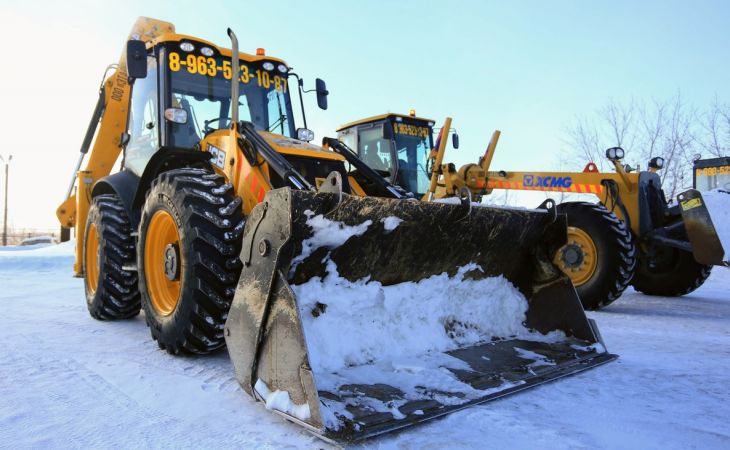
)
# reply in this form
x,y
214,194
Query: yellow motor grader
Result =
x,y
334,293
632,236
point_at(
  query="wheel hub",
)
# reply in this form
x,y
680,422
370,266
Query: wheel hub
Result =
x,y
171,262
572,256
578,257
162,262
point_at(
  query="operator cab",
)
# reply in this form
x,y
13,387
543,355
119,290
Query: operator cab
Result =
x,y
396,146
186,95
712,173
181,96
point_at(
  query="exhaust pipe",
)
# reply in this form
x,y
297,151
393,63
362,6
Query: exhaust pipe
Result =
x,y
235,70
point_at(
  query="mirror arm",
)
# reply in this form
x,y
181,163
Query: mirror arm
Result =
x,y
301,100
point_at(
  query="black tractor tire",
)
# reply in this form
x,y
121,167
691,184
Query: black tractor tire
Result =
x,y
615,259
671,273
209,223
112,291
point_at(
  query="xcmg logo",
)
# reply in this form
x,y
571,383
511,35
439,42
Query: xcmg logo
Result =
x,y
546,182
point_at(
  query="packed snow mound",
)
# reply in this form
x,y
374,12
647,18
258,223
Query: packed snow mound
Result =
x,y
353,323
365,333
37,257
718,205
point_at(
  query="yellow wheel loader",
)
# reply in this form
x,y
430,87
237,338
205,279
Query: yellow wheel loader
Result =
x,y
630,237
345,306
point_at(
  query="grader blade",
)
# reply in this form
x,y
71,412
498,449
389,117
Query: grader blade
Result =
x,y
358,316
707,221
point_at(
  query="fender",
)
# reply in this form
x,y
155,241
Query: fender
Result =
x,y
131,189
123,184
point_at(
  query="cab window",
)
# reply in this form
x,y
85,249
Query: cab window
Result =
x,y
374,150
143,121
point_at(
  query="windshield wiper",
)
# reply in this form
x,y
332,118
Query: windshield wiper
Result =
x,y
280,120
282,116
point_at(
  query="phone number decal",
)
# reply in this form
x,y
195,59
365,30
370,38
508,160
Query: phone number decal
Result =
x,y
710,171
209,67
411,130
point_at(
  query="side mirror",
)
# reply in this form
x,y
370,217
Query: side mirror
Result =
x,y
455,140
136,59
322,93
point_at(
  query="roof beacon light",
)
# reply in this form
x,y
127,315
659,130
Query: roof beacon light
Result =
x,y
412,112
260,52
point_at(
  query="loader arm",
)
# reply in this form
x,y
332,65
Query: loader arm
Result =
x,y
108,123
382,186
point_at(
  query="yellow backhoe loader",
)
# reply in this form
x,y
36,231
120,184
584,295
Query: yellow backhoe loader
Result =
x,y
630,237
344,306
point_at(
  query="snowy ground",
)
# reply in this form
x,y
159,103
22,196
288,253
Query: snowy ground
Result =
x,y
67,380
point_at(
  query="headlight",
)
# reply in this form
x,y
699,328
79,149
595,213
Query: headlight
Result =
x,y
304,134
207,51
282,68
615,153
187,47
268,66
657,162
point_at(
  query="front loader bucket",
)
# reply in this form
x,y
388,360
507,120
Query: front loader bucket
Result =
x,y
707,221
357,316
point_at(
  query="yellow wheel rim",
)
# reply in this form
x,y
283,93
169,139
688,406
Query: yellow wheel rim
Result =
x,y
577,258
162,262
91,259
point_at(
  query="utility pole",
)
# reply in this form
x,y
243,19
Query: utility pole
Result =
x,y
5,219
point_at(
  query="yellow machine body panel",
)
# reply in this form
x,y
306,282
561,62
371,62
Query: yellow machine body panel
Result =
x,y
572,182
251,184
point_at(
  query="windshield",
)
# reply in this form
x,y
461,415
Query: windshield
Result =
x,y
413,143
201,86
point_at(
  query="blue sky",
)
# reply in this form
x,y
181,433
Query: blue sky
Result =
x,y
527,68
